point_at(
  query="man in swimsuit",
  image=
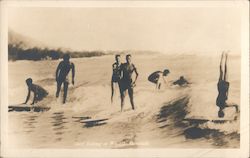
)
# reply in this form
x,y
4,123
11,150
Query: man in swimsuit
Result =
x,y
39,92
157,77
127,82
223,86
116,75
181,81
62,73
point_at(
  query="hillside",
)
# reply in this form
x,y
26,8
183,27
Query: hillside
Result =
x,y
25,48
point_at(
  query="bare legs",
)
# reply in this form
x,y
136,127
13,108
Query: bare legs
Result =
x,y
59,84
225,72
223,76
221,71
112,90
65,90
131,97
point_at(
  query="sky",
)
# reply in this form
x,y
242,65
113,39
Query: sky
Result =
x,y
211,29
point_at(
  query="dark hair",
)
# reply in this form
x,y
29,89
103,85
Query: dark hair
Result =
x,y
29,80
165,72
66,57
221,113
128,55
117,55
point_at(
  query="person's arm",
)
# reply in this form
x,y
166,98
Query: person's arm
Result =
x,y
28,97
57,70
73,74
113,67
136,74
164,79
122,67
185,81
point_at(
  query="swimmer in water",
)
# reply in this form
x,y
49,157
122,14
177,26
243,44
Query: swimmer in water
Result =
x,y
116,75
181,81
223,86
157,77
62,75
127,82
39,92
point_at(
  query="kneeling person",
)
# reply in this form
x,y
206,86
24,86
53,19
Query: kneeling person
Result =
x,y
39,92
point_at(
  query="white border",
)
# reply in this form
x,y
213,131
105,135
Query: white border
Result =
x,y
168,152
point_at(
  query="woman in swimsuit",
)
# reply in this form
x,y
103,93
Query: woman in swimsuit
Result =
x,y
116,75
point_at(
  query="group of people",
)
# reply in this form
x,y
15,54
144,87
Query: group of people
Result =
x,y
122,76
62,77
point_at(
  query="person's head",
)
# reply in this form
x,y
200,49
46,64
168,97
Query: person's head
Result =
x,y
181,78
29,82
117,58
66,57
128,58
166,72
221,113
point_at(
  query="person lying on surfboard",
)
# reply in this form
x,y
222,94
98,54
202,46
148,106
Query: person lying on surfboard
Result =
x,y
181,81
116,75
157,77
39,92
222,87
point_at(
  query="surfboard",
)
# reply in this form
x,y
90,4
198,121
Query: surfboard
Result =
x,y
81,117
25,107
92,123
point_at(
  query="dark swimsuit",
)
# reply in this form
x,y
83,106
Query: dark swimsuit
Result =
x,y
126,81
64,71
116,72
154,77
222,87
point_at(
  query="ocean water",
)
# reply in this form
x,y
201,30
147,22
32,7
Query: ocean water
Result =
x,y
89,120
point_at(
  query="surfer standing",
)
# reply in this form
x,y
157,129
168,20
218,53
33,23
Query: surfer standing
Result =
x,y
157,77
223,86
116,75
62,73
39,92
127,82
